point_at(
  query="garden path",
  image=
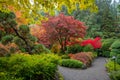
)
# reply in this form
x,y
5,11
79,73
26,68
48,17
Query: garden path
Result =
x,y
96,72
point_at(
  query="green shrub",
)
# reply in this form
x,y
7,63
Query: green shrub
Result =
x,y
118,59
71,63
54,58
116,45
28,67
88,48
95,54
65,56
74,49
106,53
106,43
115,50
113,54
110,66
39,48
115,75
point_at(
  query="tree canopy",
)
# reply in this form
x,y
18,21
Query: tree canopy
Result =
x,y
31,8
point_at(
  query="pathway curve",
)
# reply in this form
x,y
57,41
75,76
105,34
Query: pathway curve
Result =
x,y
96,72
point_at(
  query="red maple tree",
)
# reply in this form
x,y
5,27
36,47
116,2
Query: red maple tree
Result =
x,y
61,28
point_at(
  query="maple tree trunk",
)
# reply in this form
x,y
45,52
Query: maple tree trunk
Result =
x,y
63,47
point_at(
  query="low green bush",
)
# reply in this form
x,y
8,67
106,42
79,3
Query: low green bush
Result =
x,y
106,53
116,45
88,48
115,50
95,55
65,56
54,58
106,43
74,49
110,66
118,59
71,63
39,48
28,67
115,75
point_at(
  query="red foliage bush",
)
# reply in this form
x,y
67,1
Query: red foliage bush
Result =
x,y
85,57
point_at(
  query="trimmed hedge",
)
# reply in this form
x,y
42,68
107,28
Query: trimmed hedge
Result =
x,y
71,63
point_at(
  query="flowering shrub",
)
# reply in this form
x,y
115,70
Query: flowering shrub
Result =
x,y
85,57
96,43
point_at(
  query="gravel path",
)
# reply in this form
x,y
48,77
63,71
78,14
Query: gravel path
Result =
x,y
96,72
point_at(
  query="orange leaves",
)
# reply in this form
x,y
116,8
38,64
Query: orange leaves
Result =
x,y
11,8
19,18
40,33
18,14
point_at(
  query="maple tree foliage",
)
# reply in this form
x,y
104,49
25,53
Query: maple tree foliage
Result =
x,y
96,43
61,28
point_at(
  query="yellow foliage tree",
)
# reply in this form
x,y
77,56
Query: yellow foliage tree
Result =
x,y
30,8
